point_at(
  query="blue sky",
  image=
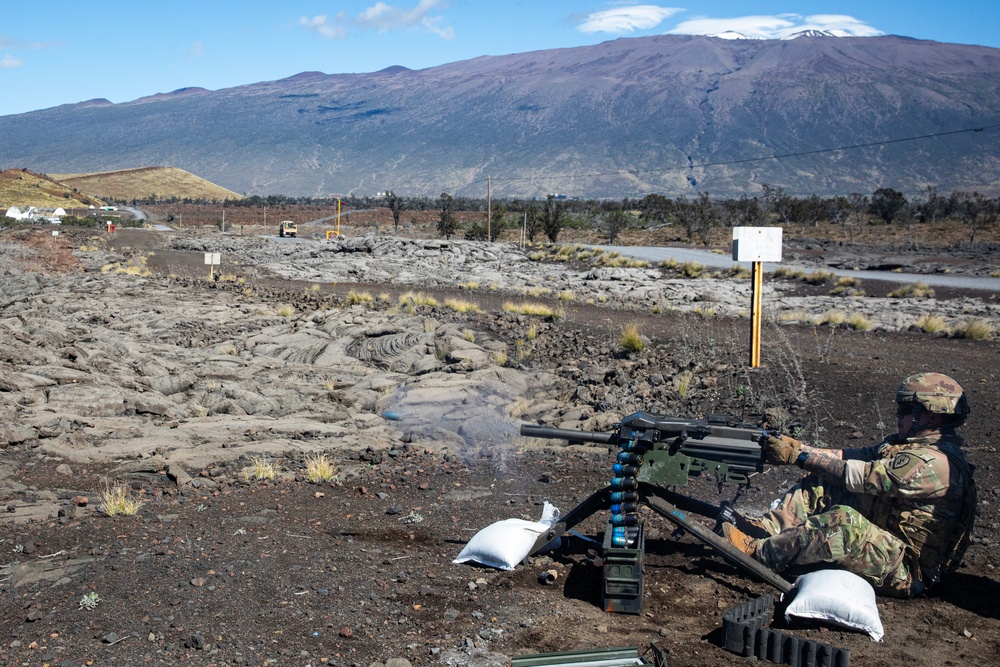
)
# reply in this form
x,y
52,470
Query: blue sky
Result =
x,y
65,51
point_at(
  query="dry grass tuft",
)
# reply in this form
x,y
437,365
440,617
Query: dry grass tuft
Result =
x,y
260,468
631,340
932,324
974,328
462,306
917,290
319,469
118,500
355,298
417,299
528,308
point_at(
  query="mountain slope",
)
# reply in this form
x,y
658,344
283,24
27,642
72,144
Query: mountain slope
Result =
x,y
141,183
22,188
622,118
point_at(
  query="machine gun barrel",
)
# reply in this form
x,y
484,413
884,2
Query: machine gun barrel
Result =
x,y
572,435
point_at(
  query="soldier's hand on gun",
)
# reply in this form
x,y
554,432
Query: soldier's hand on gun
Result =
x,y
781,450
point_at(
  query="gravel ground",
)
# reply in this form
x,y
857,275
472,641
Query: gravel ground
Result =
x,y
172,385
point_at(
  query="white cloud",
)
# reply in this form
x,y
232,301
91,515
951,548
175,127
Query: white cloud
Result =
x,y
627,19
383,17
10,62
323,27
775,27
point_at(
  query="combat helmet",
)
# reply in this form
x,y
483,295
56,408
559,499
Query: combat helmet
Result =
x,y
934,392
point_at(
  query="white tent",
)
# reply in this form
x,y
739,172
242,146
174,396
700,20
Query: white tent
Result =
x,y
14,212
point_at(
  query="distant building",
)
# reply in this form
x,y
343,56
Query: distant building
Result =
x,y
47,214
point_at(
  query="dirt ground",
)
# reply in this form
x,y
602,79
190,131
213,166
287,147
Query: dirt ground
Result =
x,y
358,571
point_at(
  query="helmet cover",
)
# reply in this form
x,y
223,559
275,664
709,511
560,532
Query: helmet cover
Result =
x,y
934,392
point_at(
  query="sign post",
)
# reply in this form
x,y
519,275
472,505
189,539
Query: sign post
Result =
x,y
212,259
756,245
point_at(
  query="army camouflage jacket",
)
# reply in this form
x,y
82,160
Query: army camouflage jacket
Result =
x,y
921,490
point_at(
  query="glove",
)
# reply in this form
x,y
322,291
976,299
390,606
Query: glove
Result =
x,y
781,450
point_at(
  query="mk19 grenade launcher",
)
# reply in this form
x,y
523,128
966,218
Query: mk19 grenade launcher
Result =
x,y
656,451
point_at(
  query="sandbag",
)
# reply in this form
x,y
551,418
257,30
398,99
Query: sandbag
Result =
x,y
838,597
506,543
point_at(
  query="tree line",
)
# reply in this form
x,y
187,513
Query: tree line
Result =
x,y
697,216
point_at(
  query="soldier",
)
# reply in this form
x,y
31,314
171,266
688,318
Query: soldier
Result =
x,y
899,514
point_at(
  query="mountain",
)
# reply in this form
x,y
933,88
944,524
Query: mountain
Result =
x,y
669,114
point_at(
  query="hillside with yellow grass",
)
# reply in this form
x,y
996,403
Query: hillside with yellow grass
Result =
x,y
146,183
23,188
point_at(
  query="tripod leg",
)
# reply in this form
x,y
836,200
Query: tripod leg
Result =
x,y
597,501
673,514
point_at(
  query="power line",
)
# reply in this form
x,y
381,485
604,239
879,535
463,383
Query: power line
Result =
x,y
779,156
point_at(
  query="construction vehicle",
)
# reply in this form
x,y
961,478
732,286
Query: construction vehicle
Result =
x,y
287,228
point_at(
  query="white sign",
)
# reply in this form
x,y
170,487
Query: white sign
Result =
x,y
213,258
757,244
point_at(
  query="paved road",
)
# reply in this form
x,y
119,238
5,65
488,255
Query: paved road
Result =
x,y
708,258
139,215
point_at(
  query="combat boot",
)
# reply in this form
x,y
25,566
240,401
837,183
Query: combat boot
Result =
x,y
751,525
739,539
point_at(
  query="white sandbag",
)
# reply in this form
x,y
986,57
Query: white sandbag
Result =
x,y
838,597
506,543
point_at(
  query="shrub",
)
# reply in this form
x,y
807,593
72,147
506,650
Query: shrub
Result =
x,y
286,311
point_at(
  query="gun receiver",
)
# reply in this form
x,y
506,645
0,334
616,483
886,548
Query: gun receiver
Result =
x,y
677,448
657,451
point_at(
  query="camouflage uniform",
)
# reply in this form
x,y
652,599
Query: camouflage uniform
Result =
x,y
901,517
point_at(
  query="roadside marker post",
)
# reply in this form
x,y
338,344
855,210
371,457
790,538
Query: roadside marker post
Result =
x,y
212,259
756,245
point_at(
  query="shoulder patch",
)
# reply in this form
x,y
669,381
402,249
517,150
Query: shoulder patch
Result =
x,y
900,461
